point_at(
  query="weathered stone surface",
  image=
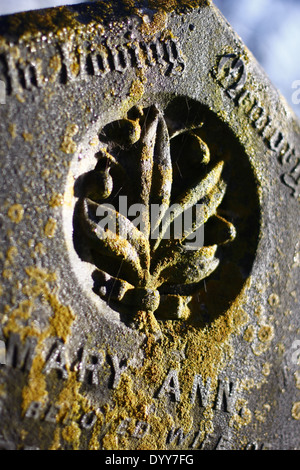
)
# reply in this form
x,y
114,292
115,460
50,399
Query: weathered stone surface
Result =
x,y
137,342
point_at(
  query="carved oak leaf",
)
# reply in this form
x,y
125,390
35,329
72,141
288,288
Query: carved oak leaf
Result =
x,y
135,268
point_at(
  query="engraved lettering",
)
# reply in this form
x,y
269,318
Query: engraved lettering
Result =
x,y
20,355
204,391
157,52
105,63
134,51
34,410
90,365
88,420
232,75
292,180
123,426
141,429
226,396
235,72
57,361
94,64
257,115
266,127
254,446
176,57
29,76
223,443
7,445
198,437
243,97
214,441
171,386
276,141
12,73
78,62
178,435
288,155
120,58
118,370
51,413
69,68
82,54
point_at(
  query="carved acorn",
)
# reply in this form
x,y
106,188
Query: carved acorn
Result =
x,y
97,185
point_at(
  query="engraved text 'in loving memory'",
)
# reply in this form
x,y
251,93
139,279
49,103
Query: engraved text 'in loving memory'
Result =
x,y
70,62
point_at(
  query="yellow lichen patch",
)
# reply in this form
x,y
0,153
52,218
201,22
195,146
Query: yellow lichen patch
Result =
x,y
27,137
260,348
259,311
17,317
2,390
45,173
71,434
137,89
11,254
157,24
7,274
56,200
15,213
68,145
261,415
273,300
206,352
12,128
241,318
281,349
265,333
55,67
131,405
40,275
59,326
247,383
266,369
56,440
69,399
249,334
296,410
94,141
63,316
243,416
297,379
71,405
35,390
39,249
23,434
50,228
62,319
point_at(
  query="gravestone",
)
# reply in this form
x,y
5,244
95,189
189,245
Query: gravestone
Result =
x,y
149,234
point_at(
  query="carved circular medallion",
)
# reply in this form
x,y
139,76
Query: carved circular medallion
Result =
x,y
165,213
